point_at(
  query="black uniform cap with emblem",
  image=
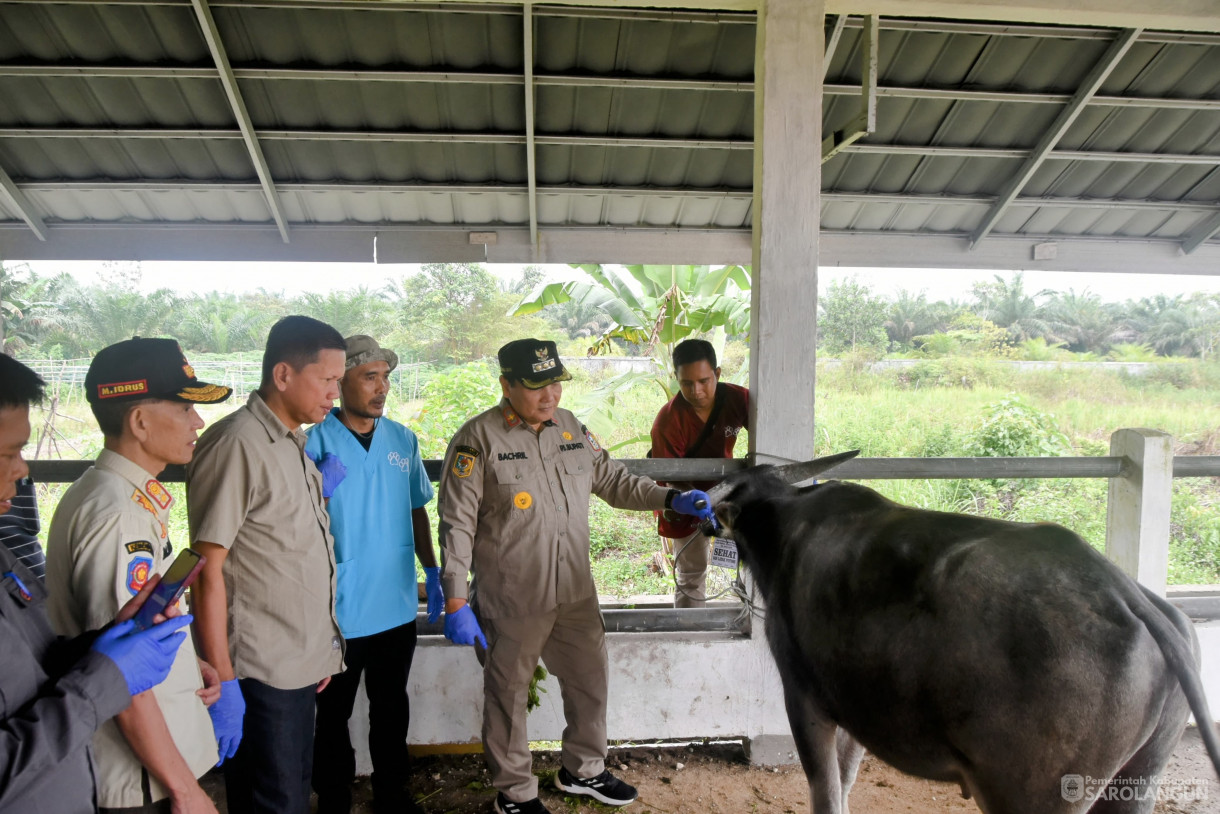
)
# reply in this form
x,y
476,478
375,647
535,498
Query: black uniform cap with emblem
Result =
x,y
140,368
533,362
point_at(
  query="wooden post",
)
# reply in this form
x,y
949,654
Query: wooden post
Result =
x,y
787,184
789,51
1137,513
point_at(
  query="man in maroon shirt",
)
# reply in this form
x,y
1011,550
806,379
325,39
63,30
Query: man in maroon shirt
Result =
x,y
702,421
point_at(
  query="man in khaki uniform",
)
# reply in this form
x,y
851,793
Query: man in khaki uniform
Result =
x,y
109,535
265,601
514,510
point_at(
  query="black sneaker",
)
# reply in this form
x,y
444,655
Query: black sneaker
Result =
x,y
506,806
605,787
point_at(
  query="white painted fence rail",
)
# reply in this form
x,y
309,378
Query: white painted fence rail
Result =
x,y
706,673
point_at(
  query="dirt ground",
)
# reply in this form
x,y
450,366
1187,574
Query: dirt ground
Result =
x,y
699,779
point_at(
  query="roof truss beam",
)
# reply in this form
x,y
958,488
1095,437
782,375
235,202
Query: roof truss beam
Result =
x,y
432,137
531,167
865,122
573,81
188,185
18,202
219,55
1088,87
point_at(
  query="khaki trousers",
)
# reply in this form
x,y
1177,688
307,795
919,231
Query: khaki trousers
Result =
x,y
691,556
571,641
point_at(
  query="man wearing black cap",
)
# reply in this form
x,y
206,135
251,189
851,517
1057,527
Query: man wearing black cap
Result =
x,y
109,535
514,511
55,692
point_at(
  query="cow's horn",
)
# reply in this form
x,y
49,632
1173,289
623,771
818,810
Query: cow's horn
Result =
x,y
795,473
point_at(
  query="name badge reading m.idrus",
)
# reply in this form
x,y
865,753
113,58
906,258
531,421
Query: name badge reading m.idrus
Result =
x,y
724,553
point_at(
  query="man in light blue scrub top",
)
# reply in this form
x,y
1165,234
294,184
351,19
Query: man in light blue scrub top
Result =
x,y
377,488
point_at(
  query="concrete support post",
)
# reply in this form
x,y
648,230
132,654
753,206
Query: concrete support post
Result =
x,y
789,52
1137,514
787,187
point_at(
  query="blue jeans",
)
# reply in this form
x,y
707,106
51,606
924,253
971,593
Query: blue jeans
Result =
x,y
270,772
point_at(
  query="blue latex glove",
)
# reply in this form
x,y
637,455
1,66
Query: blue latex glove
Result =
x,y
143,656
227,714
332,469
689,503
462,628
436,595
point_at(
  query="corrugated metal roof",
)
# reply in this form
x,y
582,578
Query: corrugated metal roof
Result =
x,y
412,116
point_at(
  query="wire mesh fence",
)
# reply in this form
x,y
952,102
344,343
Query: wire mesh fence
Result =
x,y
65,378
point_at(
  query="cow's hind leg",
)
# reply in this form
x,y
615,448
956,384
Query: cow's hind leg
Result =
x,y
816,745
1134,789
850,753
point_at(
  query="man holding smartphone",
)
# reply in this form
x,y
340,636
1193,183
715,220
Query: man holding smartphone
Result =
x,y
378,517
55,692
108,537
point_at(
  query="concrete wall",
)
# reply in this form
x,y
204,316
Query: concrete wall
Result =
x,y
670,686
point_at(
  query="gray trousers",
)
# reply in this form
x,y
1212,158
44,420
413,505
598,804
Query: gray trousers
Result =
x,y
691,556
571,641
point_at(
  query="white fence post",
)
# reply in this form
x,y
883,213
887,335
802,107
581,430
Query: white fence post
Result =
x,y
1137,514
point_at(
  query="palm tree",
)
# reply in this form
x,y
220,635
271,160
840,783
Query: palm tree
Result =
x,y
222,323
355,311
1005,303
1082,321
909,316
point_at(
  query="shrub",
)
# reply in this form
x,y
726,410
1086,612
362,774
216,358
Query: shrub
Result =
x,y
1014,429
451,398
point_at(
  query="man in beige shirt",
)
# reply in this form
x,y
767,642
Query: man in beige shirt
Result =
x,y
109,535
514,510
265,601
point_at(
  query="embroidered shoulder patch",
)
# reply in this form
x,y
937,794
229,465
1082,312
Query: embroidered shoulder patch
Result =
x,y
591,438
138,572
463,461
139,545
158,493
140,498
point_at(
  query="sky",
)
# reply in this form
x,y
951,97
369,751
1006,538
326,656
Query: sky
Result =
x,y
295,278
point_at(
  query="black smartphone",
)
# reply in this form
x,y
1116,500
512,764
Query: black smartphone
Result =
x,y
169,590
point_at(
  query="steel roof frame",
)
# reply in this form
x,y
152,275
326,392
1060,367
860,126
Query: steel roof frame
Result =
x,y
1088,87
663,192
561,80
15,198
238,105
432,136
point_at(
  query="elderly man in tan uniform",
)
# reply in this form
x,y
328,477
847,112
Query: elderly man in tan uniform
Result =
x,y
264,603
514,510
109,535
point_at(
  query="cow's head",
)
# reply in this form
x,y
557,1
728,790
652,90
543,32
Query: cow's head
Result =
x,y
744,488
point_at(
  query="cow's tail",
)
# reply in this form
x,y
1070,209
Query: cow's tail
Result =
x,y
1155,613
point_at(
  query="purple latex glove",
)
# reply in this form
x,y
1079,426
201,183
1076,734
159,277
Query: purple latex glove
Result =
x,y
461,627
332,470
227,715
436,595
143,656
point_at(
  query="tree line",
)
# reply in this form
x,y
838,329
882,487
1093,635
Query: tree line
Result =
x,y
1002,318
458,312
448,312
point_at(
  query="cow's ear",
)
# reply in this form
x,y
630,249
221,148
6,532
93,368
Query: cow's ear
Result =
x,y
727,513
